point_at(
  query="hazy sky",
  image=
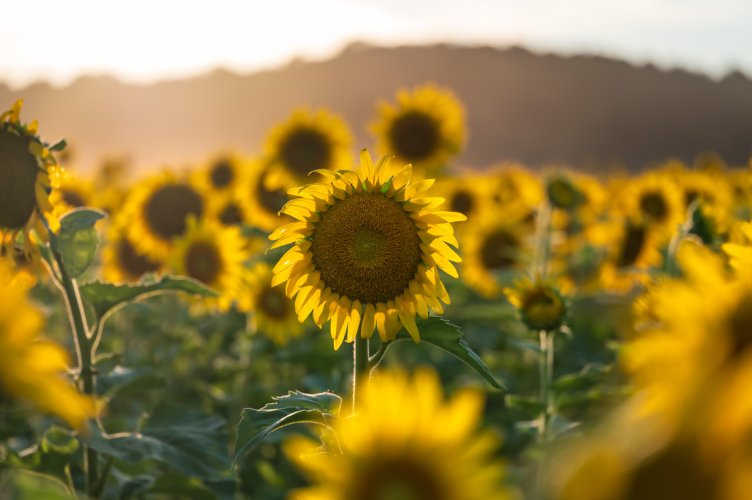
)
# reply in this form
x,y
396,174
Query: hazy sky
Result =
x,y
147,40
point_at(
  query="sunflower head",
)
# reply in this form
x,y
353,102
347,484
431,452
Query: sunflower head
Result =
x,y
27,172
121,259
367,249
260,198
159,208
272,312
307,141
72,192
540,303
562,192
425,127
405,441
212,254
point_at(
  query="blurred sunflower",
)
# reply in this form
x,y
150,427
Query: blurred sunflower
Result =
x,y
32,368
426,127
562,192
212,254
228,209
655,200
494,251
468,195
27,173
739,246
261,201
158,208
72,192
682,337
121,260
713,194
273,313
220,175
540,303
307,141
367,251
515,190
405,442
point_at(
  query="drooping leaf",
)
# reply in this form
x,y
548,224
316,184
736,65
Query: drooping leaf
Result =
x,y
294,408
448,337
77,240
105,297
188,441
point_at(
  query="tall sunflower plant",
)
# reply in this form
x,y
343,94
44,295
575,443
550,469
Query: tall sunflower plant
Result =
x,y
367,250
67,244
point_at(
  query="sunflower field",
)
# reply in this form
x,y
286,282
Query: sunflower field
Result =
x,y
310,322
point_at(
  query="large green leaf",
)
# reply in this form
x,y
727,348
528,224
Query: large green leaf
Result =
x,y
188,441
448,337
105,297
294,408
77,240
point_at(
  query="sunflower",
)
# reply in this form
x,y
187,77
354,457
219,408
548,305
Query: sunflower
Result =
x,y
367,251
158,208
493,251
739,246
212,254
220,175
307,141
426,127
273,313
469,195
228,209
27,172
515,190
72,192
32,368
405,442
540,303
714,197
688,329
261,201
653,199
121,260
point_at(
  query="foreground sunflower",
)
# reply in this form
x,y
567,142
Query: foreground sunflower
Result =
x,y
26,165
32,368
159,208
273,313
307,141
405,442
367,251
426,127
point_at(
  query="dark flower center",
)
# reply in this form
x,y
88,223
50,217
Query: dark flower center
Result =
x,y
634,242
72,198
271,200
462,202
500,250
18,176
366,248
231,215
414,136
273,302
203,262
221,174
398,478
305,149
168,207
132,263
654,205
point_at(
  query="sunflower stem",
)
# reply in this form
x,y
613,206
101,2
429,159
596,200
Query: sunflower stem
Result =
x,y
360,367
75,308
546,372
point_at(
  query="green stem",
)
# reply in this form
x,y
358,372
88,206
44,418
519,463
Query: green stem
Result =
x,y
375,360
546,372
360,367
544,241
77,317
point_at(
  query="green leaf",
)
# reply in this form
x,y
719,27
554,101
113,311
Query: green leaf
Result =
x,y
59,440
294,408
77,240
448,337
59,146
188,441
120,377
105,297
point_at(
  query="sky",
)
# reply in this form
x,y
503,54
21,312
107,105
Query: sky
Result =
x,y
143,41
